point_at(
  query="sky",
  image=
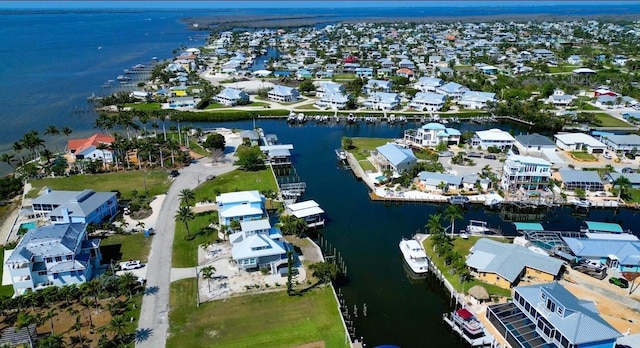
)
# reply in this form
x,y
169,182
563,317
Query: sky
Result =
x,y
121,4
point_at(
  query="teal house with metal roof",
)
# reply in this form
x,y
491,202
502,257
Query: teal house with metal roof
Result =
x,y
548,315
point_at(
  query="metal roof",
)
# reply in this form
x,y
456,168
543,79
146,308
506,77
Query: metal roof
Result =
x,y
534,139
603,227
47,241
528,226
572,175
396,154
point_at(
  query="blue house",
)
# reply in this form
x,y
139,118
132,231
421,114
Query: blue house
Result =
x,y
548,315
621,253
395,158
240,206
87,206
258,246
364,73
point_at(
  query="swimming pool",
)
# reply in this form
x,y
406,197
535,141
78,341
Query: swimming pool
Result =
x,y
28,225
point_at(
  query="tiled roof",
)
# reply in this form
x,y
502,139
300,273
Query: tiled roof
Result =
x,y
79,145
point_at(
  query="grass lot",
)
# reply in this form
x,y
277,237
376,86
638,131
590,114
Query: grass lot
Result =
x,y
462,246
464,114
121,247
156,182
185,251
362,146
143,106
264,320
610,121
215,106
587,106
307,107
562,68
583,156
344,76
366,165
236,180
6,290
635,195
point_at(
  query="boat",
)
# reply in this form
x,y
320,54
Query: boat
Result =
x,y
123,79
341,154
476,227
458,200
414,255
464,234
468,327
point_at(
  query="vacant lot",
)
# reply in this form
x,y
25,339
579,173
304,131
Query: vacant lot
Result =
x,y
236,180
607,120
120,247
362,146
265,320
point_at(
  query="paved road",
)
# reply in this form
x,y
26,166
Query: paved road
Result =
x,y
154,317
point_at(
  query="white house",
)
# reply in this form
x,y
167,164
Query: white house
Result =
x,y
333,101
87,148
382,101
574,60
395,158
309,211
559,98
432,134
452,90
258,246
326,87
88,206
529,173
476,100
377,86
439,182
232,97
427,101
533,144
428,84
493,137
283,94
579,142
240,206
622,143
53,255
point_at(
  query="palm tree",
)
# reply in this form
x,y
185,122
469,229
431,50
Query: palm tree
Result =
x,y
623,184
51,341
77,326
24,320
67,131
53,311
207,274
18,147
102,147
453,213
185,215
117,326
187,196
127,281
140,225
87,303
8,159
53,131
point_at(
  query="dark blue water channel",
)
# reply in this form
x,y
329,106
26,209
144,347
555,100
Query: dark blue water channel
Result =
x,y
367,234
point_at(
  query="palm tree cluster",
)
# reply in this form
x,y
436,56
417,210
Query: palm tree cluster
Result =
x,y
90,298
443,244
38,158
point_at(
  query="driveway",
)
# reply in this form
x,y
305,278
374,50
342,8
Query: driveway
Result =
x,y
154,314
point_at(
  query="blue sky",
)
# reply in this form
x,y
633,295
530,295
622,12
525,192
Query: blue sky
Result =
x,y
178,4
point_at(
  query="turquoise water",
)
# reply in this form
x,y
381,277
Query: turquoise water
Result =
x,y
28,225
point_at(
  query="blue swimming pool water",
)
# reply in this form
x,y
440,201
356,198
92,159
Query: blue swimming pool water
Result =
x,y
28,225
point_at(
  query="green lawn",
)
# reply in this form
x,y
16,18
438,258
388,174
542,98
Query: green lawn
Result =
x,y
121,247
154,181
215,106
143,106
607,120
583,156
366,165
236,180
587,106
635,195
462,246
344,76
6,290
265,320
362,146
185,251
562,68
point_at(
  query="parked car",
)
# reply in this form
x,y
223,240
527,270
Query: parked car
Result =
x,y
445,154
174,173
491,157
619,282
474,154
628,170
132,264
607,155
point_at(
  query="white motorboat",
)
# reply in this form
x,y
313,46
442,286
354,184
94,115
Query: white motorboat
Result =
x,y
414,255
465,324
341,155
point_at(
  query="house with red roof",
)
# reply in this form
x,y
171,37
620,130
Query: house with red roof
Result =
x,y
406,72
351,59
88,148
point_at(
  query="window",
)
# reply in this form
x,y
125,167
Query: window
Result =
x,y
58,259
551,306
48,260
69,257
42,273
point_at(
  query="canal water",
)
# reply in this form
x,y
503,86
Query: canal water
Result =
x,y
367,234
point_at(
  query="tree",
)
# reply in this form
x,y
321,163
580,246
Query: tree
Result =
x,y
207,274
442,146
8,159
53,312
291,225
290,273
87,303
324,271
52,131
67,131
185,215
434,227
453,213
623,184
347,143
251,159
140,225
127,282
118,326
306,87
214,141
187,196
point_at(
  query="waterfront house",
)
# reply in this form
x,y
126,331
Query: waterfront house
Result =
x,y
333,101
309,211
505,264
493,138
439,182
579,142
87,206
574,60
382,101
231,97
327,87
548,315
427,101
53,255
432,134
428,84
525,172
278,154
87,148
240,206
258,246
284,94
559,98
634,178
374,85
533,144
622,143
615,251
395,158
181,102
581,179
250,137
476,100
452,90
364,73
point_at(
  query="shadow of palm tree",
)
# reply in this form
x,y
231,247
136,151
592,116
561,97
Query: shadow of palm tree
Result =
x,y
143,334
151,290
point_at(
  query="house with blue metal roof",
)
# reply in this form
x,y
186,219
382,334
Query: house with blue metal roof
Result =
x,y
258,245
283,94
87,206
452,90
432,134
240,206
433,181
476,99
634,178
620,253
428,84
395,158
53,255
427,101
374,85
548,315
382,101
505,264
231,97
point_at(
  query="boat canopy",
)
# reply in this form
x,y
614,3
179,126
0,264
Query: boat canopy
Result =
x,y
528,226
464,313
595,226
